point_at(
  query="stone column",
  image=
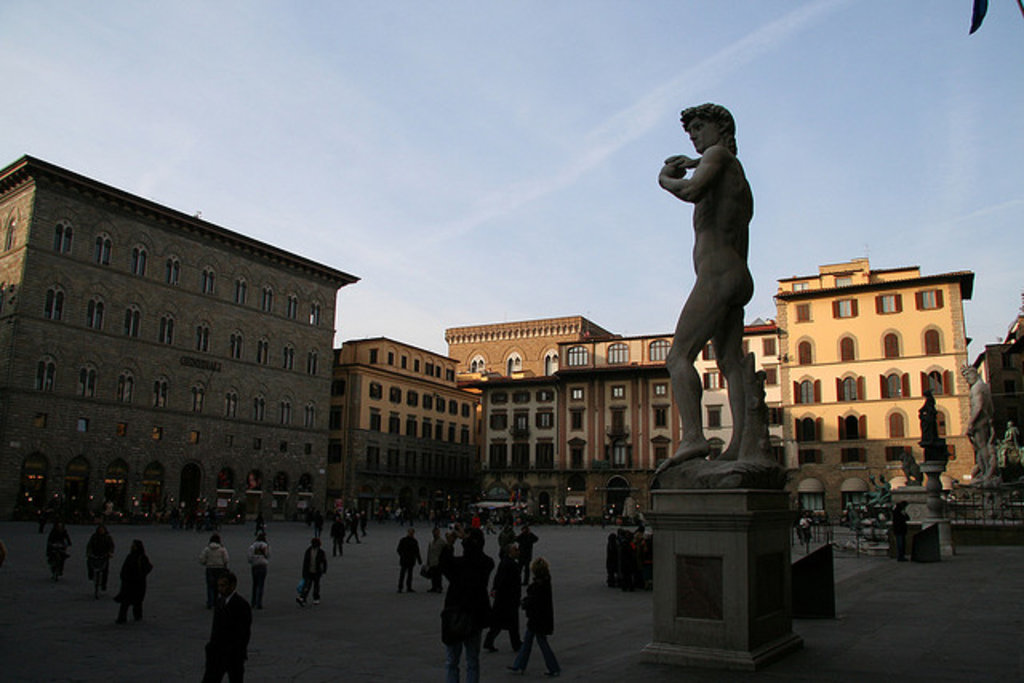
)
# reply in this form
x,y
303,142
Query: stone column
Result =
x,y
936,512
722,591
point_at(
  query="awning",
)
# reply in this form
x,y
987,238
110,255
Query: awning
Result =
x,y
810,485
853,485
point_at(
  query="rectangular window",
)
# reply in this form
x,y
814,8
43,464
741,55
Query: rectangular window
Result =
x,y
852,455
768,346
809,456
193,437
803,313
545,420
844,308
576,393
928,299
661,416
39,420
886,304
576,419
83,424
619,391
713,380
661,389
771,376
714,416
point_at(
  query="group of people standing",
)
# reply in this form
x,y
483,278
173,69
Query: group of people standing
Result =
x,y
629,560
468,609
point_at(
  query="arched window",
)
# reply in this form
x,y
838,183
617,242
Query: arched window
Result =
x,y
231,404
46,373
851,427
202,337
806,393
101,250
312,364
551,363
172,271
138,262
806,430
618,354
207,281
166,329
259,408
477,364
578,356
53,308
935,382
309,418
267,300
235,345
848,389
288,356
198,398
241,291
62,235
932,343
160,387
314,314
94,314
125,387
87,382
893,386
513,364
896,426
262,351
286,412
805,354
132,321
891,345
846,349
658,349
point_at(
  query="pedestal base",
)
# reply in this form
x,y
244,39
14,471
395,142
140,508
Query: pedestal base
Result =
x,y
722,586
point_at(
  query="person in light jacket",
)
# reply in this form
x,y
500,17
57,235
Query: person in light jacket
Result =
x,y
259,561
215,558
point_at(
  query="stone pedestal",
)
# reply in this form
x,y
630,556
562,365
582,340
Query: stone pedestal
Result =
x,y
936,508
722,586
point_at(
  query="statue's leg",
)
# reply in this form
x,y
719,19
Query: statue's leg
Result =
x,y
728,342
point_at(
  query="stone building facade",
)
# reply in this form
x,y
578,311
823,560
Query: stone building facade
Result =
x,y
859,347
1002,366
403,434
584,438
154,360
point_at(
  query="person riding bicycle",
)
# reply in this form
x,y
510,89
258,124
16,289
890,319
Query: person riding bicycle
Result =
x,y
98,552
57,544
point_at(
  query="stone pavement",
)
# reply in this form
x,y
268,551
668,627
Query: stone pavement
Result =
x,y
957,620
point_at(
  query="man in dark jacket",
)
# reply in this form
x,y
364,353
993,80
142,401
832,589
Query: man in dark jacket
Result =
x,y
408,558
526,540
507,593
229,638
314,565
466,606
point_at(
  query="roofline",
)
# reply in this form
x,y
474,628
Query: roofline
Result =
x,y
28,167
964,277
395,341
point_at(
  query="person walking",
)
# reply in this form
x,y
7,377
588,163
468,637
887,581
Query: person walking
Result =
x,y
337,536
259,561
134,570
466,606
434,550
318,524
314,566
227,648
353,528
98,551
408,557
57,543
526,540
540,620
215,558
506,592
899,529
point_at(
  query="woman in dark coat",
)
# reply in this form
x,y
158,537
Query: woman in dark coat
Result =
x,y
611,560
134,571
540,619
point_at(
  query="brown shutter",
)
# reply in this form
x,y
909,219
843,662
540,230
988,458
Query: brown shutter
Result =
x,y
906,385
796,393
938,298
883,387
924,382
853,308
861,393
918,300
878,304
862,426
899,303
839,389
817,391
947,383
842,428
835,309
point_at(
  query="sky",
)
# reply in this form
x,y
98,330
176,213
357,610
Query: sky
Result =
x,y
479,162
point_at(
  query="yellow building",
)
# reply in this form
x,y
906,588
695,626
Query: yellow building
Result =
x,y
403,435
859,347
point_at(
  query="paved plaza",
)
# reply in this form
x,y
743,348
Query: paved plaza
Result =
x,y
958,620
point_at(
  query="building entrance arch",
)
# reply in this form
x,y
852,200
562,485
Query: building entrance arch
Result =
x,y
190,486
76,487
115,486
32,495
616,492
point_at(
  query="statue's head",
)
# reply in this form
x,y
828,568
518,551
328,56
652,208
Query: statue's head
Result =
x,y
716,114
970,373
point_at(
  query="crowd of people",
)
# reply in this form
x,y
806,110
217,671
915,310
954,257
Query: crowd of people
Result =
x,y
629,559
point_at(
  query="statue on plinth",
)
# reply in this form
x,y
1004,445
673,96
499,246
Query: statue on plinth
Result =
x,y
1009,449
911,470
713,312
979,430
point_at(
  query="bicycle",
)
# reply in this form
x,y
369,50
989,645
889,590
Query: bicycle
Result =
x,y
99,568
56,555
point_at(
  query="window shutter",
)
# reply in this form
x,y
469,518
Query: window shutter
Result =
x,y
842,428
861,393
938,298
883,387
947,383
853,308
878,304
839,389
918,300
906,385
707,380
899,303
924,382
796,393
835,309
817,391
862,426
